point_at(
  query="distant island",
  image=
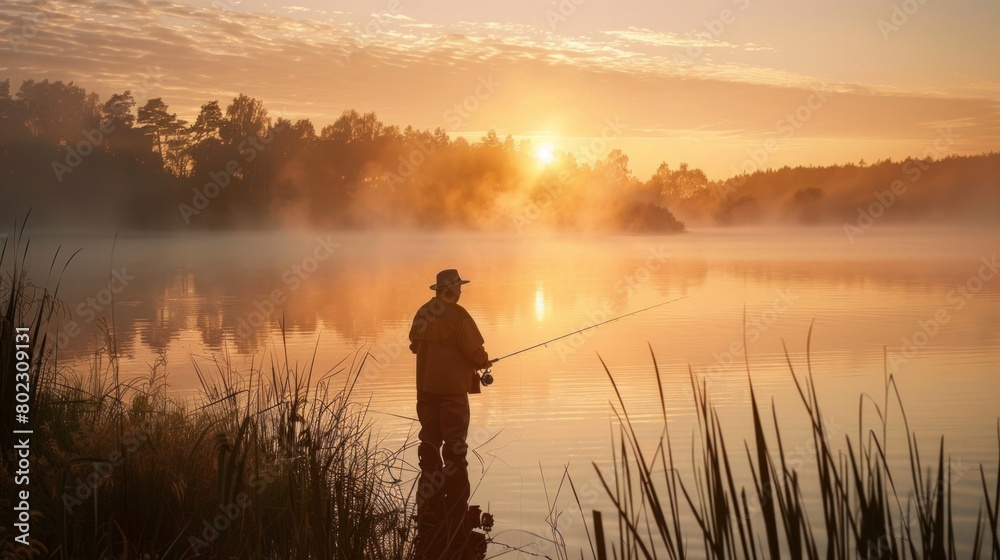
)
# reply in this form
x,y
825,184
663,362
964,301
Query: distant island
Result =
x,y
78,161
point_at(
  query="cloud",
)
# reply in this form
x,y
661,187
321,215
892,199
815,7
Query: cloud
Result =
x,y
413,72
658,39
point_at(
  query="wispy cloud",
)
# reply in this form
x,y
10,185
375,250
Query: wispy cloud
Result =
x,y
412,72
672,40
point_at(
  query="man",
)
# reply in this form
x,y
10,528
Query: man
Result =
x,y
449,349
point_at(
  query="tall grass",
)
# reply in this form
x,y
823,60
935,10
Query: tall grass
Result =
x,y
23,305
281,461
863,514
278,461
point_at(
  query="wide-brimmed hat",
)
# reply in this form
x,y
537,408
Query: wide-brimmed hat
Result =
x,y
448,278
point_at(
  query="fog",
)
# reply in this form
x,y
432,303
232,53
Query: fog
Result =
x,y
77,161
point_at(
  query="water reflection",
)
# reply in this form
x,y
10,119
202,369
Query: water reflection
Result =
x,y
227,293
539,303
216,292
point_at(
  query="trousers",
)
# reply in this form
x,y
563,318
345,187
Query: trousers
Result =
x,y
443,488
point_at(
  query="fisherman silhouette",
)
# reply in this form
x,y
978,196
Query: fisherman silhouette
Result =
x,y
449,349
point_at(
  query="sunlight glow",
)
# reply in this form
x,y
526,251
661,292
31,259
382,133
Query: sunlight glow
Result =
x,y
545,154
539,304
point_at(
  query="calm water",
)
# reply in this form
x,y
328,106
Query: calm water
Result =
x,y
916,292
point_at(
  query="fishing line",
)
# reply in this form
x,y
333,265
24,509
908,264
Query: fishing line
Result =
x,y
486,375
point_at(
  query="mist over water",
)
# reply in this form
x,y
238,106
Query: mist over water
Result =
x,y
687,199
928,296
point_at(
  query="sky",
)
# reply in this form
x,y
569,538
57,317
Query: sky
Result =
x,y
723,85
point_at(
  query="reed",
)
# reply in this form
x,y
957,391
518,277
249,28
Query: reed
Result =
x,y
281,461
277,461
863,513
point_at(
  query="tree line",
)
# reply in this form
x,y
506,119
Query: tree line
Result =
x,y
77,160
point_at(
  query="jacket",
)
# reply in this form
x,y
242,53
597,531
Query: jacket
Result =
x,y
449,348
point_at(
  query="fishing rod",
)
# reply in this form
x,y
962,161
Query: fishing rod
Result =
x,y
487,377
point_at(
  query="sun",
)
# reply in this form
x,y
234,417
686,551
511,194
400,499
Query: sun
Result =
x,y
545,154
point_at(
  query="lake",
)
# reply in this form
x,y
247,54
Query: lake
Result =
x,y
927,299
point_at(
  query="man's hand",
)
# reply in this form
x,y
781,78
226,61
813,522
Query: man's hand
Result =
x,y
486,365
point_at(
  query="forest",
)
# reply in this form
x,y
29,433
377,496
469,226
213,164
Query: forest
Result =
x,y
77,161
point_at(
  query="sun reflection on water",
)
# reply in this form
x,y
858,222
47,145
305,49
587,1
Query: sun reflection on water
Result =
x,y
539,303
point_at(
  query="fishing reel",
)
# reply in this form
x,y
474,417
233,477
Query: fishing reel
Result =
x,y
476,518
485,375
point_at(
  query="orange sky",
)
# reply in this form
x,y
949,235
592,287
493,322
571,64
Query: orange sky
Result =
x,y
724,85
